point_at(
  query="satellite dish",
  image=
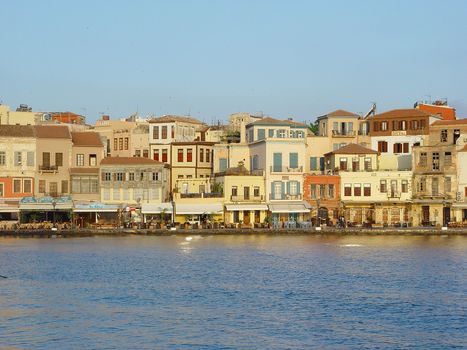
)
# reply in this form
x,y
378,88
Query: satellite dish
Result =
x,y
46,117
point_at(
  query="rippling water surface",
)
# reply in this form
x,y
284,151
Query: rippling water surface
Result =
x,y
233,292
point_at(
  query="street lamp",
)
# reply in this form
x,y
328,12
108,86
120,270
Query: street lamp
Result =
x,y
318,221
173,213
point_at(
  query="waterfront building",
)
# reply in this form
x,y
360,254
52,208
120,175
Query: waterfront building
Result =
x,y
23,115
87,154
238,121
460,206
435,174
322,192
278,149
395,132
439,107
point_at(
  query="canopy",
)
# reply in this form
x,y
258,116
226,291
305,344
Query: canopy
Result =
x,y
95,208
245,206
148,208
9,208
290,207
45,206
212,208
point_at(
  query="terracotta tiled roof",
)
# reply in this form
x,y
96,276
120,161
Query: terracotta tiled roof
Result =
x,y
401,113
129,160
175,118
272,121
17,131
84,170
52,132
340,113
86,139
353,148
450,122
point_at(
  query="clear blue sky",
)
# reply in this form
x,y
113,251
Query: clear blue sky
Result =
x,y
295,59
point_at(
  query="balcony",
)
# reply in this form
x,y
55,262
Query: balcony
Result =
x,y
239,198
394,194
285,196
201,195
48,168
339,133
286,169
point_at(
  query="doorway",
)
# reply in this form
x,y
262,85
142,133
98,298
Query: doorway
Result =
x,y
425,215
446,215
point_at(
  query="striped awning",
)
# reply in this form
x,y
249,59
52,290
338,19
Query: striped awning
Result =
x,y
246,206
212,208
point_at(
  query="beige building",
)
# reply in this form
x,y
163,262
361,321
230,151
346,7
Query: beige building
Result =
x,y
238,121
460,206
22,116
53,159
87,154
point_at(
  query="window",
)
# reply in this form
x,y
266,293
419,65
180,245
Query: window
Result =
x,y
383,186
395,125
255,164
434,186
201,154
155,176
126,143
137,153
80,160
357,190
447,158
59,159
164,155
322,191
30,159
423,159
189,155
116,194
131,176
115,144
293,188
397,148
313,191
261,134
271,133
155,155
223,164
343,164
155,132
405,147
106,176
256,191
281,133
145,153
382,146
92,160
376,126
246,192
18,158
313,163
234,191
84,184
384,126
367,164
180,155
64,186
422,185
27,186
331,191
444,135
236,216
293,160
53,189
405,186
120,143
2,189
172,131
2,157
403,125
119,176
367,190
208,156
355,164
16,186
415,124
164,132
141,176
447,184
106,194
278,191
347,190
435,161
41,186
46,159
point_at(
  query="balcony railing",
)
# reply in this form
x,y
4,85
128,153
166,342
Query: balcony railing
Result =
x,y
48,168
235,198
201,195
286,169
394,194
285,196
338,133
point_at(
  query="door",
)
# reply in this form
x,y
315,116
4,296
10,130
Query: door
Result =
x,y
246,217
246,193
446,216
46,159
425,215
53,189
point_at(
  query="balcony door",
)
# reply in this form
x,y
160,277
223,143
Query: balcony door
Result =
x,y
246,192
46,159
277,162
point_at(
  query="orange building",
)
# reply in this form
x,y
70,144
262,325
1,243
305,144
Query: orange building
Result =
x,y
67,117
323,191
440,108
16,187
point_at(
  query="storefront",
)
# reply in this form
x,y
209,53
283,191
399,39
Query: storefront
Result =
x,y
154,215
199,213
290,211
246,214
46,209
96,214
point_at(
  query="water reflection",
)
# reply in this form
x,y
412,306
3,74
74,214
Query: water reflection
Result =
x,y
233,292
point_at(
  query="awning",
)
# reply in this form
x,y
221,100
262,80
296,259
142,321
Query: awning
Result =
x,y
212,208
5,208
290,207
96,208
245,206
45,206
148,208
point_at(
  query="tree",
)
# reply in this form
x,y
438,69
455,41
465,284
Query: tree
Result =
x,y
313,127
